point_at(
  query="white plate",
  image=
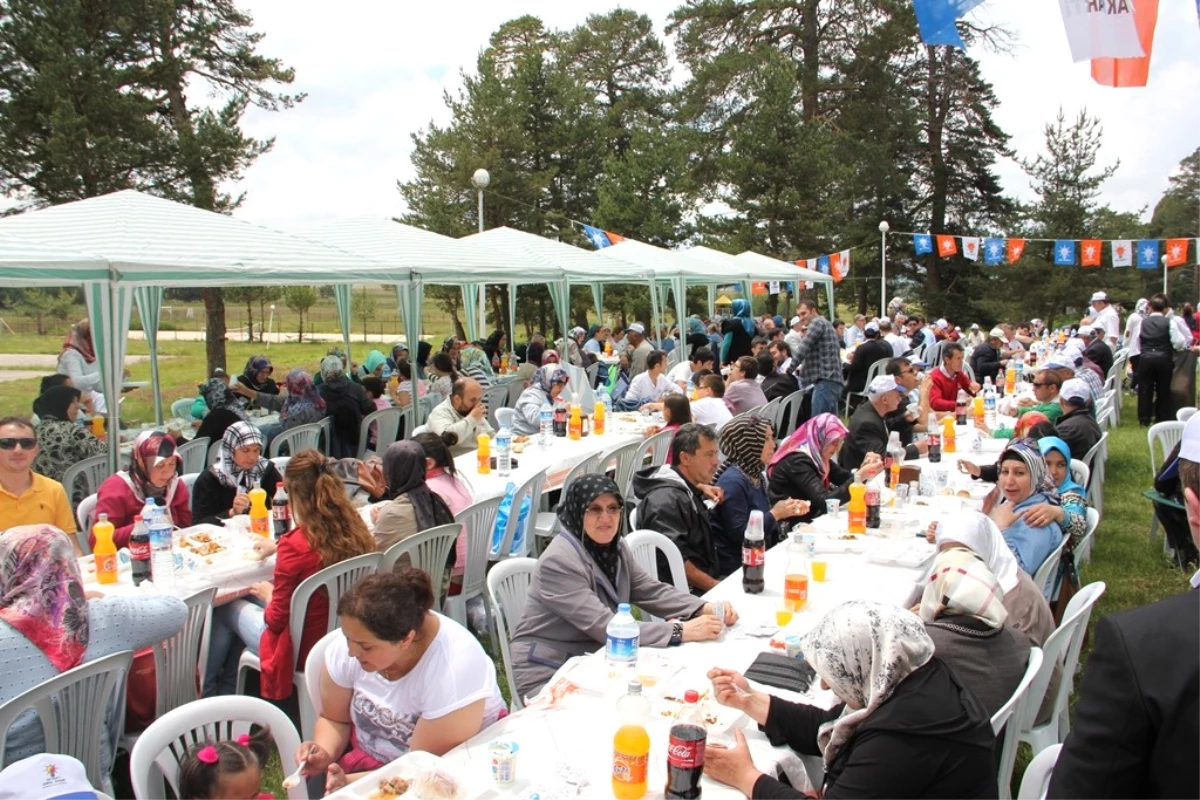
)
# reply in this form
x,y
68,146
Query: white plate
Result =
x,y
914,553
668,702
408,766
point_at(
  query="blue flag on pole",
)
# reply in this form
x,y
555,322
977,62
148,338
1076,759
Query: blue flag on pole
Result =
x,y
1147,254
823,265
1064,252
936,19
993,251
597,237
923,243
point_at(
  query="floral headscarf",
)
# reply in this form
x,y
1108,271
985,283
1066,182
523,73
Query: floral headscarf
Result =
x,y
1027,452
473,358
549,375
550,356
863,650
150,449
962,584
41,592
80,338
811,438
217,395
254,365
742,441
331,368
302,392
226,470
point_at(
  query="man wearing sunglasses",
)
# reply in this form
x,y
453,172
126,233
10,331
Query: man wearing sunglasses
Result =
x,y
27,498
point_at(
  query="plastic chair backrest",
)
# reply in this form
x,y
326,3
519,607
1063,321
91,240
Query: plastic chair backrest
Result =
x,y
1083,550
161,748
479,519
194,454
771,410
326,440
655,449
1095,459
647,544
388,422
427,550
281,463
1036,782
335,579
1047,572
622,459
505,417
507,589
1162,436
1071,631
312,674
85,516
189,480
298,439
588,465
182,407
592,371
175,659
1186,413
1010,720
785,421
214,452
91,472
73,708
1080,472
532,489
495,397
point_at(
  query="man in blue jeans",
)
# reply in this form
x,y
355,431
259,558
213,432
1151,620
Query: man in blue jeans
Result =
x,y
820,360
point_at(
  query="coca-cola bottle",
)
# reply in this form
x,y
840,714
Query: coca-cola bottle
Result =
x,y
935,440
560,419
139,550
685,750
960,408
872,500
281,512
754,554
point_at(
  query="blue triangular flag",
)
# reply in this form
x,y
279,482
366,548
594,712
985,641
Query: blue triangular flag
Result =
x,y
936,19
923,243
1147,254
823,265
1064,252
597,237
993,251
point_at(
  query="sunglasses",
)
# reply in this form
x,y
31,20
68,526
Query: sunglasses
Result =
x,y
1040,385
12,443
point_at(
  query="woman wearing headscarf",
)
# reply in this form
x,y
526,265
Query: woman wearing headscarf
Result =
x,y
747,443
803,468
963,611
223,490
303,404
906,726
533,353
473,362
152,474
61,442
495,346
412,508
77,360
584,574
1071,513
542,392
696,337
346,403
48,626
1023,484
223,408
399,353
423,354
257,376
373,364
738,332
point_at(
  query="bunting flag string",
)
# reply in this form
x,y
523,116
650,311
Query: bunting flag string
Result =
x,y
1063,252
836,265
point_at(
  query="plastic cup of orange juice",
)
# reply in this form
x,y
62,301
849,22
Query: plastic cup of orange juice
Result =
x,y
783,616
818,570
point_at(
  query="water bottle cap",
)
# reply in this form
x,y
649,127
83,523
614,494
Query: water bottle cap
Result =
x,y
623,608
635,687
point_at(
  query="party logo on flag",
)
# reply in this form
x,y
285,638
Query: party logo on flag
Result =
x,y
823,265
993,251
1064,252
1176,252
758,287
599,239
936,18
923,243
946,246
1016,249
1147,254
1100,29
839,263
1122,253
971,247
1090,250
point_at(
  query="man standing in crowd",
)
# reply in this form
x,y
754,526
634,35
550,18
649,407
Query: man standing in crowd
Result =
x,y
1137,719
671,499
856,333
1104,318
463,413
1159,339
949,378
636,334
1133,330
872,349
869,428
820,360
1095,348
27,498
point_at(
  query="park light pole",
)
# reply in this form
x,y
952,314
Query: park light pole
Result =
x,y
481,179
1164,263
883,232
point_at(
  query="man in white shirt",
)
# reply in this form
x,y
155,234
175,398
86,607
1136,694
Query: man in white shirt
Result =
x,y
856,333
652,385
899,343
709,406
1104,316
795,335
681,373
463,413
1133,329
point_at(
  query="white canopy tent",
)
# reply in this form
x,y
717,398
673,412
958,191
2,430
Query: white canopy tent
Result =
x,y
150,242
757,261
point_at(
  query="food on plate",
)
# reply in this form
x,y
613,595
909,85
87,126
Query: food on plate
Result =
x,y
521,439
963,493
436,785
849,537
389,789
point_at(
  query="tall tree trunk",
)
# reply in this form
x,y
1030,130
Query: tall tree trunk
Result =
x,y
810,71
214,328
935,109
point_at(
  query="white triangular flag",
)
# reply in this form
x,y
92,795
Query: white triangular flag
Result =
x,y
811,263
1122,252
1198,252
1101,29
971,247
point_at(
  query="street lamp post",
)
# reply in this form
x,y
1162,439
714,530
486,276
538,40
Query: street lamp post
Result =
x,y
1164,263
481,179
883,232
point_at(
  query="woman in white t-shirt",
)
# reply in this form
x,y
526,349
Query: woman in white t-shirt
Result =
x,y
652,385
403,677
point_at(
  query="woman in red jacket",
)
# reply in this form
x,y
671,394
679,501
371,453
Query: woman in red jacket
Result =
x,y
328,531
153,473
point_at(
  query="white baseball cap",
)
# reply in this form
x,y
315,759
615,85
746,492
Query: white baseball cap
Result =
x,y
637,327
872,326
1189,447
47,776
996,333
941,324
884,384
1099,297
974,326
795,321
1075,389
1086,330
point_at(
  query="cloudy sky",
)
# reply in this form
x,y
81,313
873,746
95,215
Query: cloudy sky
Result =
x,y
375,72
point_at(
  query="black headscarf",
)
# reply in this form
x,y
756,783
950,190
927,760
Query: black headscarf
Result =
x,y
404,471
575,500
533,353
423,351
55,402
492,345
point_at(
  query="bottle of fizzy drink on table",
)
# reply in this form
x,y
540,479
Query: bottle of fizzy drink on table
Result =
x,y
105,551
484,453
795,578
631,745
260,515
754,554
685,750
857,507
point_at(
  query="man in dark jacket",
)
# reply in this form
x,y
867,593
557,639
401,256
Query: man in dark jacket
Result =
x,y
985,359
1077,426
904,418
671,500
775,384
873,349
1137,721
868,427
1096,349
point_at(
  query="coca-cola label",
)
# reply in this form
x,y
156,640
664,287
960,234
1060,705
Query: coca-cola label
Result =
x,y
684,754
139,549
628,768
281,513
872,496
753,556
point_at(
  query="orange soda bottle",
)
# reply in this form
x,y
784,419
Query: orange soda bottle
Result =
x,y
857,507
795,579
631,745
105,551
485,453
260,515
98,426
598,419
575,423
948,435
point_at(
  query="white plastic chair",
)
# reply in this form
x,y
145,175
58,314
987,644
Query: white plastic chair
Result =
x,y
85,515
532,488
426,550
647,544
312,675
1013,717
1046,574
505,417
1083,550
281,463
335,579
73,708
182,407
495,397
1080,472
507,589
91,472
1095,459
1185,413
1061,646
785,417
162,747
622,459
194,454
298,439
479,519
189,480
1035,784
388,420
544,526
214,452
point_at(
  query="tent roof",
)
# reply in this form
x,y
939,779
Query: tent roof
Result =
x,y
150,240
579,265
666,263
433,257
795,273
27,263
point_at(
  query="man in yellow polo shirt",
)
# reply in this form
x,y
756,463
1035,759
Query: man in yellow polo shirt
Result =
x,y
27,498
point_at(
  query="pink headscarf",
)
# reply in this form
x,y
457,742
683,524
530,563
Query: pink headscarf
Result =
x,y
41,593
811,438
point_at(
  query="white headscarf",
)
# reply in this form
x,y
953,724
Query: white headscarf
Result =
x,y
978,533
863,650
961,584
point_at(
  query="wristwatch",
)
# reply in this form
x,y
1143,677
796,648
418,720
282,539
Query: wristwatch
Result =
x,y
677,634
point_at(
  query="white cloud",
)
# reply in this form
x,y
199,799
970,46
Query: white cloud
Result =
x,y
375,72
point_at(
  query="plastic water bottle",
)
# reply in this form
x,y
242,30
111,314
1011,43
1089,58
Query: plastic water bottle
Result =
x,y
621,640
546,426
607,400
162,555
989,404
503,444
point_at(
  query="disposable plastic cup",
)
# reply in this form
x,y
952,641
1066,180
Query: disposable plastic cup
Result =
x,y
818,570
504,762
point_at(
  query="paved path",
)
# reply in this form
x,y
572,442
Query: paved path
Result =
x,y
22,366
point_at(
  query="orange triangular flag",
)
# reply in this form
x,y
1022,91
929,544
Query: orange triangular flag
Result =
x,y
1130,72
758,287
1176,252
1016,247
946,246
1090,250
615,238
